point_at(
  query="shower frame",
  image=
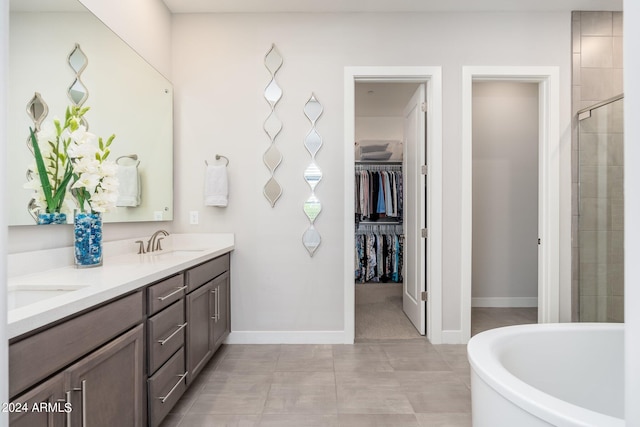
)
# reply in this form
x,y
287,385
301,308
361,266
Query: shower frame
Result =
x,y
582,314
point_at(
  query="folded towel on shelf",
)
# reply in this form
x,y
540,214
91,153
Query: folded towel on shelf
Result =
x,y
216,189
128,185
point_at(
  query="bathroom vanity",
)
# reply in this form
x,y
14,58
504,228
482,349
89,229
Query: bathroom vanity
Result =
x,y
127,338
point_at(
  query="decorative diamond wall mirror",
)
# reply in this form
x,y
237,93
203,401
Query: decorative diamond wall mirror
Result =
x,y
312,175
272,125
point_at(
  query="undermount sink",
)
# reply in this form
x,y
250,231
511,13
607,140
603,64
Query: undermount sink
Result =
x,y
17,298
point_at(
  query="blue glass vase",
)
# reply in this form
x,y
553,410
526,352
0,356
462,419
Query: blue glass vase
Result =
x,y
87,232
51,218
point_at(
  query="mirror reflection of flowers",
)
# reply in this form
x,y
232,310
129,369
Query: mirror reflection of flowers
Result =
x,y
94,184
52,171
68,158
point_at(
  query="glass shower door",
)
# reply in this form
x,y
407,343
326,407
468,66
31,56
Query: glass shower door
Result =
x,y
601,212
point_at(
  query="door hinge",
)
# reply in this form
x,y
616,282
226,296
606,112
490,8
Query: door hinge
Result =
x,y
538,240
424,296
423,107
424,233
423,169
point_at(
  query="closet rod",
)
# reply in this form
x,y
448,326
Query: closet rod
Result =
x,y
397,167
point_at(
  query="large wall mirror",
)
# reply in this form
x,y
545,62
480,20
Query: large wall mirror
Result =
x,y
127,97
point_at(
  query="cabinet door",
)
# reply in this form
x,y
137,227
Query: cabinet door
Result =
x,y
107,386
199,323
42,406
221,314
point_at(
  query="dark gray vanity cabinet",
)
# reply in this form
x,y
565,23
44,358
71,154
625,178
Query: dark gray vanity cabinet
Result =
x,y
108,385
125,362
49,394
93,362
208,321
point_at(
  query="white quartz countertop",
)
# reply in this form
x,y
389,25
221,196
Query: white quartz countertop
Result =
x,y
58,291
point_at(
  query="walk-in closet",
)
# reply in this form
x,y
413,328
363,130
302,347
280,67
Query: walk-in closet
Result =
x,y
380,174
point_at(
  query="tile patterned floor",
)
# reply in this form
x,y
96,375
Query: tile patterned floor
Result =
x,y
404,383
392,383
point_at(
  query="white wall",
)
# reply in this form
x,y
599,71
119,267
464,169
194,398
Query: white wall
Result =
x,y
219,78
505,185
632,210
379,128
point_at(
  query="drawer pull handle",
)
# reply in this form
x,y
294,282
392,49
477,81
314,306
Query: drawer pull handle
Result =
x,y
178,290
164,399
180,327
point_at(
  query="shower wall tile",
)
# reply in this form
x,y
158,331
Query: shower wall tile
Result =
x,y
601,214
575,32
596,23
615,309
617,23
601,247
576,69
617,52
593,309
616,214
597,84
615,279
601,150
596,76
597,52
601,181
594,214
618,81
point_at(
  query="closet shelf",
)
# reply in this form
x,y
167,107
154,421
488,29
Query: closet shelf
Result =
x,y
384,222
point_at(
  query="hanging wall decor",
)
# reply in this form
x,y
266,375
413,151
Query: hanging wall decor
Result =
x,y
37,110
312,175
272,125
77,91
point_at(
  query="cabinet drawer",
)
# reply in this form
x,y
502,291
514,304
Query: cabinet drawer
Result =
x,y
44,353
166,334
201,274
166,387
165,293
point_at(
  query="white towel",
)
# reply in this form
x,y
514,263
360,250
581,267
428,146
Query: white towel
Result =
x,y
128,185
216,189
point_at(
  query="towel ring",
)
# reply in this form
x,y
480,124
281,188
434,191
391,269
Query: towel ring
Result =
x,y
130,156
218,157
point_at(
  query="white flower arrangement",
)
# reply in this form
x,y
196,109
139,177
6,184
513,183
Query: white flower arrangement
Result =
x,y
68,158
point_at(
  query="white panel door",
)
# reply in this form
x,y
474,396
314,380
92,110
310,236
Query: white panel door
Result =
x,y
414,211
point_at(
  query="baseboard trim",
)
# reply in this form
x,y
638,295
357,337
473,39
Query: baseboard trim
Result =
x,y
285,337
505,302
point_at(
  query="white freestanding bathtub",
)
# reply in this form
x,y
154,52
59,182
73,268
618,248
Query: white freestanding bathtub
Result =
x,y
565,374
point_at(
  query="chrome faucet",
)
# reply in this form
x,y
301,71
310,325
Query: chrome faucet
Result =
x,y
154,241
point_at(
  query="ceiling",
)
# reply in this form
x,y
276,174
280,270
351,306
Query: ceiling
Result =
x,y
253,6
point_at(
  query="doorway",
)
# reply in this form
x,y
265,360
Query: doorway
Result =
x,y
505,204
430,194
548,243
389,130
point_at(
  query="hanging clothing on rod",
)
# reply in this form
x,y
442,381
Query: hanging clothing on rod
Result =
x,y
379,253
378,192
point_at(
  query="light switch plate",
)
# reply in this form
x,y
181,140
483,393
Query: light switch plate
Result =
x,y
193,217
